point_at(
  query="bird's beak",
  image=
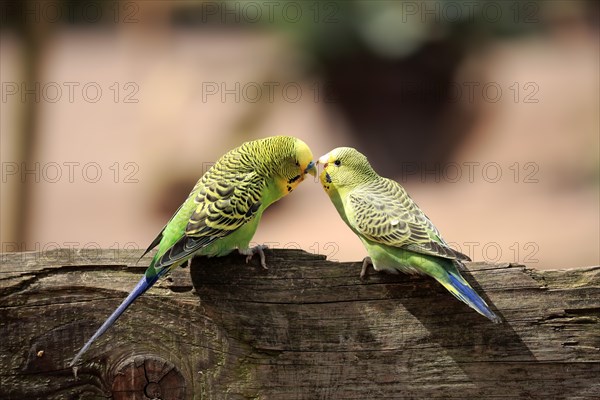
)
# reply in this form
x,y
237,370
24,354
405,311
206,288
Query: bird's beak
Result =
x,y
324,160
311,168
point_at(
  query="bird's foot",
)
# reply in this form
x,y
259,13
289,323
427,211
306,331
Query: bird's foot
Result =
x,y
365,267
259,249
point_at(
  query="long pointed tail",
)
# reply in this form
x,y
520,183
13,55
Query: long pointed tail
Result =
x,y
461,289
142,286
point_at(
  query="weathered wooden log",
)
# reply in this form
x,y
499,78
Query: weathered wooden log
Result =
x,y
307,328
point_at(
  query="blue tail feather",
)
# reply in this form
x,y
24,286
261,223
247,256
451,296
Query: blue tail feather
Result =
x,y
465,293
142,286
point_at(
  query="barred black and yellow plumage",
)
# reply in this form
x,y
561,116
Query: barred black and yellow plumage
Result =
x,y
223,209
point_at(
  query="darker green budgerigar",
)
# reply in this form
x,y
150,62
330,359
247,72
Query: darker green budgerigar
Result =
x,y
223,210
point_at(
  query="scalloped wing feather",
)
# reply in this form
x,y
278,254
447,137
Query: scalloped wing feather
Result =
x,y
383,212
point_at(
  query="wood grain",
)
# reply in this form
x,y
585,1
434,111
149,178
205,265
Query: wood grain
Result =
x,y
307,328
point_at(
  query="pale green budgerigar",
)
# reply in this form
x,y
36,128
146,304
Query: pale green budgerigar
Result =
x,y
223,210
397,235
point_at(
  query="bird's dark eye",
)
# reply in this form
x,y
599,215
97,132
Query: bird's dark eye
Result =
x,y
337,163
297,164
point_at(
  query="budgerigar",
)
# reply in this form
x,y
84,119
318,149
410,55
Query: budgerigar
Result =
x,y
223,210
397,235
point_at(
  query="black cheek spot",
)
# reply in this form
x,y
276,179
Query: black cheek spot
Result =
x,y
289,188
327,177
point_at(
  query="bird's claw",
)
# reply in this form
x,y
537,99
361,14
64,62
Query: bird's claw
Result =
x,y
259,249
365,267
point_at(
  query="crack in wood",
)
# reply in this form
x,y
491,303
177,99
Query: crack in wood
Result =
x,y
307,328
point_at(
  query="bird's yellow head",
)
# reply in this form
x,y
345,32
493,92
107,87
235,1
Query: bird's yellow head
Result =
x,y
344,167
294,163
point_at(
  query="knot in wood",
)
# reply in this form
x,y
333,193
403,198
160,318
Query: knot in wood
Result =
x,y
148,377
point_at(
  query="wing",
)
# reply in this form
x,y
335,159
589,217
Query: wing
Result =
x,y
224,203
384,213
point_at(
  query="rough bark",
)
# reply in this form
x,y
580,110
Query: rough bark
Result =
x,y
307,328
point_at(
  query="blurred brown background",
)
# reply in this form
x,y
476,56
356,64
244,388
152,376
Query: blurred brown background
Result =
x,y
487,112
